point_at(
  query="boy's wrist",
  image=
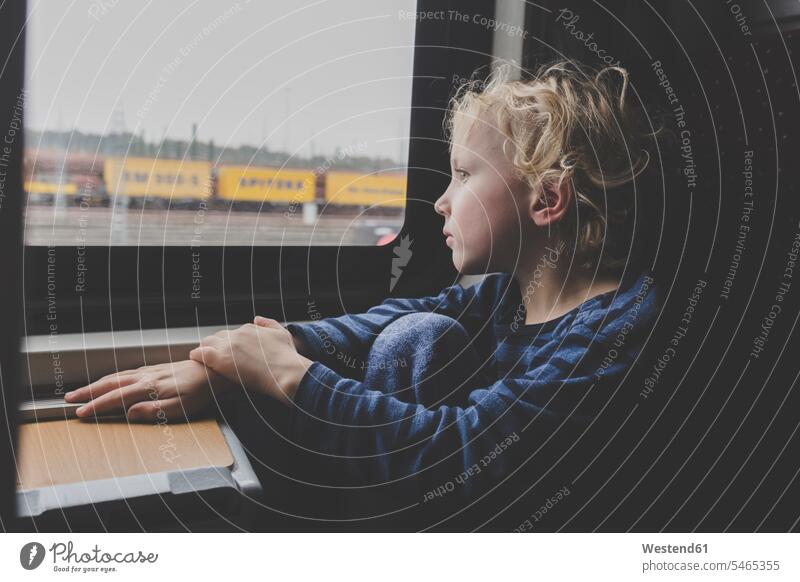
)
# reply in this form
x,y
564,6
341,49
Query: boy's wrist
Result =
x,y
299,344
292,377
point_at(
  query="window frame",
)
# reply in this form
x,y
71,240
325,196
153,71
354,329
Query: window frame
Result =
x,y
12,43
150,287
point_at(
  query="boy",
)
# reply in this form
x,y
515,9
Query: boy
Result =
x,y
543,181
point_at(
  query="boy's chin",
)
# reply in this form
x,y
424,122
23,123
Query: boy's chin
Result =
x,y
468,266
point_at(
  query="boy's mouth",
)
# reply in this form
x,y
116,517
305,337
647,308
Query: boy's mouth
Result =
x,y
448,237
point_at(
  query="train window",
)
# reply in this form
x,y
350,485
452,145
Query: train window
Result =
x,y
197,164
208,124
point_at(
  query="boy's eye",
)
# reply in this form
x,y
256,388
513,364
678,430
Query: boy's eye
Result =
x,y
461,174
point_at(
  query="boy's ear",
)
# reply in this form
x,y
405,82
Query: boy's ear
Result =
x,y
550,202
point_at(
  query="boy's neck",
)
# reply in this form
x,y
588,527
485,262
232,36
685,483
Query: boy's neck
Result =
x,y
547,293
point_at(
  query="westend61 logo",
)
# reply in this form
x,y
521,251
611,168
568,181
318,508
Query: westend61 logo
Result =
x,y
65,559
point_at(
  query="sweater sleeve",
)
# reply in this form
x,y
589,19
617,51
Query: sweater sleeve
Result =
x,y
451,449
338,342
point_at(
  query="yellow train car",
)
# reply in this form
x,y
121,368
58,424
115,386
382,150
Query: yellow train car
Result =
x,y
259,184
372,190
39,187
152,178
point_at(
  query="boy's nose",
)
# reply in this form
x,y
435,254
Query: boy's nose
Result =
x,y
439,205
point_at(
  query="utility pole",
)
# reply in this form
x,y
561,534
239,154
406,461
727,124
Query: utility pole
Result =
x,y
193,145
288,91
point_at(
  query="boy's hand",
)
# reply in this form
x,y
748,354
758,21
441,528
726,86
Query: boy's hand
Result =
x,y
172,391
261,356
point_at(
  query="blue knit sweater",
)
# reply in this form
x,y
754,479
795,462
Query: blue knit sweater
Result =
x,y
547,376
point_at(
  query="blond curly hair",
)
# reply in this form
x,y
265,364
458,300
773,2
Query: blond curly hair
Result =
x,y
569,123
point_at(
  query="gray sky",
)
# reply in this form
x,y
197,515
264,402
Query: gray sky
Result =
x,y
158,67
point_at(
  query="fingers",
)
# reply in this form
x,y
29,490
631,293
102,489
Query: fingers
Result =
x,y
220,338
222,334
207,355
119,399
265,322
155,410
101,386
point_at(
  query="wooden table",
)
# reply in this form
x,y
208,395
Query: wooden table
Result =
x,y
59,452
109,475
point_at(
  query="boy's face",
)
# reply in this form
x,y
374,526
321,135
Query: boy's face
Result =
x,y
484,207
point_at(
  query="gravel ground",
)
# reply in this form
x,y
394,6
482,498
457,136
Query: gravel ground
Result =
x,y
46,225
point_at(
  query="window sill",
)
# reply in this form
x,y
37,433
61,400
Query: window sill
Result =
x,y
52,363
